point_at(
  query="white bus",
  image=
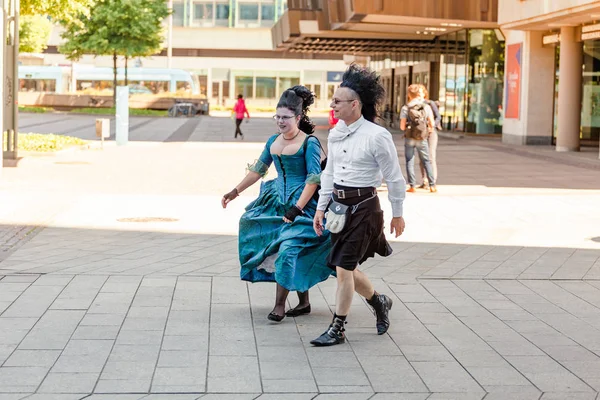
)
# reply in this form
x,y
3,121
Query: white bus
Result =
x,y
96,80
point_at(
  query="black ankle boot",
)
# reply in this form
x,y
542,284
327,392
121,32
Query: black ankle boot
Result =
x,y
382,306
333,335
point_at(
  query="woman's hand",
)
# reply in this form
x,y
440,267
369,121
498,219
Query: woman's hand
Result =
x,y
291,214
227,197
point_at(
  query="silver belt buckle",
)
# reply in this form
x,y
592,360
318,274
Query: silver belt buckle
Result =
x,y
341,194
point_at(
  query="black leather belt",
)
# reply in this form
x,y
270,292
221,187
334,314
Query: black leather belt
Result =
x,y
348,194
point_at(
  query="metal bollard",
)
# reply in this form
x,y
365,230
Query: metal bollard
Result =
x,y
103,129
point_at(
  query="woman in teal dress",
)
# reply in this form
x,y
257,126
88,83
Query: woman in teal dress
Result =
x,y
277,242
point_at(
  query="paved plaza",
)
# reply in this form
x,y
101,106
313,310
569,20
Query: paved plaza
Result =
x,y
127,283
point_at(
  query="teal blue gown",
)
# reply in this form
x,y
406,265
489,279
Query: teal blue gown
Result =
x,y
271,250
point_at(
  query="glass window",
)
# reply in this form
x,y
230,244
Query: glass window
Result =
x,y
184,87
37,85
265,88
249,11
286,83
317,91
486,82
178,14
267,14
225,90
215,90
590,110
222,14
203,82
203,13
244,86
331,88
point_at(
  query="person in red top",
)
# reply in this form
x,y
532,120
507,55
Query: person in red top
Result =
x,y
332,119
240,109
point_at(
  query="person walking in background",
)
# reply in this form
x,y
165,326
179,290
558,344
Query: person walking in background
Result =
x,y
239,109
432,139
277,242
360,154
416,121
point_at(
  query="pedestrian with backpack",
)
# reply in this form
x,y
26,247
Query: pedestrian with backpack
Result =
x,y
416,121
432,139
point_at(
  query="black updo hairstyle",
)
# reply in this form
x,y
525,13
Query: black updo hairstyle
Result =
x,y
297,99
367,86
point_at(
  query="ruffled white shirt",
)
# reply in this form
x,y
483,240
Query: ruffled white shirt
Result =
x,y
361,155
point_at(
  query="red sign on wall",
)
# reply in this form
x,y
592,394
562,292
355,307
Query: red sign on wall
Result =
x,y
513,80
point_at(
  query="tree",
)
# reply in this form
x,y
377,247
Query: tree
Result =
x,y
34,32
63,11
34,22
129,28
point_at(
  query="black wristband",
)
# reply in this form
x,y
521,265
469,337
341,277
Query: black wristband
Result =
x,y
293,212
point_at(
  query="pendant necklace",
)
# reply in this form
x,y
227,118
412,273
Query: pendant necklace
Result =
x,y
293,137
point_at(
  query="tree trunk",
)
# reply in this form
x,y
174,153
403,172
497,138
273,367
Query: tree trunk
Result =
x,y
115,79
126,82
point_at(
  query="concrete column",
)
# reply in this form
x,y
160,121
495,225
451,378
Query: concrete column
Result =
x,y
209,83
569,91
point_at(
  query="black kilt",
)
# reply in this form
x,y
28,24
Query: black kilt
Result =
x,y
362,237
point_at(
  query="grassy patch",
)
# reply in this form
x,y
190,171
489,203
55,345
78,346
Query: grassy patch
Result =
x,y
111,111
45,142
37,110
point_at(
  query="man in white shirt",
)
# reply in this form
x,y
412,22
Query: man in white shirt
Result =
x,y
360,154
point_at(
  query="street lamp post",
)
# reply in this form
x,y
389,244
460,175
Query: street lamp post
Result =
x,y
170,35
10,89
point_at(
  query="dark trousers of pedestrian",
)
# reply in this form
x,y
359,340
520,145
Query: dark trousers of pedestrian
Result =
x,y
238,131
422,147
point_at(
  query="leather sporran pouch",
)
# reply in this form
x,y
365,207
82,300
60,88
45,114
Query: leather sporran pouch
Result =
x,y
337,217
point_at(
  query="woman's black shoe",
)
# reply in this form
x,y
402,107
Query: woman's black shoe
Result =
x,y
274,317
295,312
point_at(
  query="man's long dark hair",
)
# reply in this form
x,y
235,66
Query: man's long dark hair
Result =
x,y
367,85
297,99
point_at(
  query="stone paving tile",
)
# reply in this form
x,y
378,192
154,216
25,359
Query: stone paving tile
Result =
x,y
456,396
69,383
446,377
167,334
400,396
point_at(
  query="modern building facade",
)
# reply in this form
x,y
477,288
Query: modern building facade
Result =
x,y
553,72
526,69
228,45
453,47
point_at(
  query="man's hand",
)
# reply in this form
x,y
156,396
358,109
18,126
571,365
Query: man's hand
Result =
x,y
397,225
318,222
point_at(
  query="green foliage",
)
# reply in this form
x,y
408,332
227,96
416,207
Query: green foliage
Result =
x,y
37,110
45,142
111,111
34,32
64,11
130,28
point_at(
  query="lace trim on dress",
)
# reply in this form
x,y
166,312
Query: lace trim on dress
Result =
x,y
259,167
268,265
313,179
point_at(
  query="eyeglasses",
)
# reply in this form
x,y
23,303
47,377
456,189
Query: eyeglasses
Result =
x,y
338,101
284,118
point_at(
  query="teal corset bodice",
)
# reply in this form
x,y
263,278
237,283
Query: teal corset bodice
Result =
x,y
293,171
